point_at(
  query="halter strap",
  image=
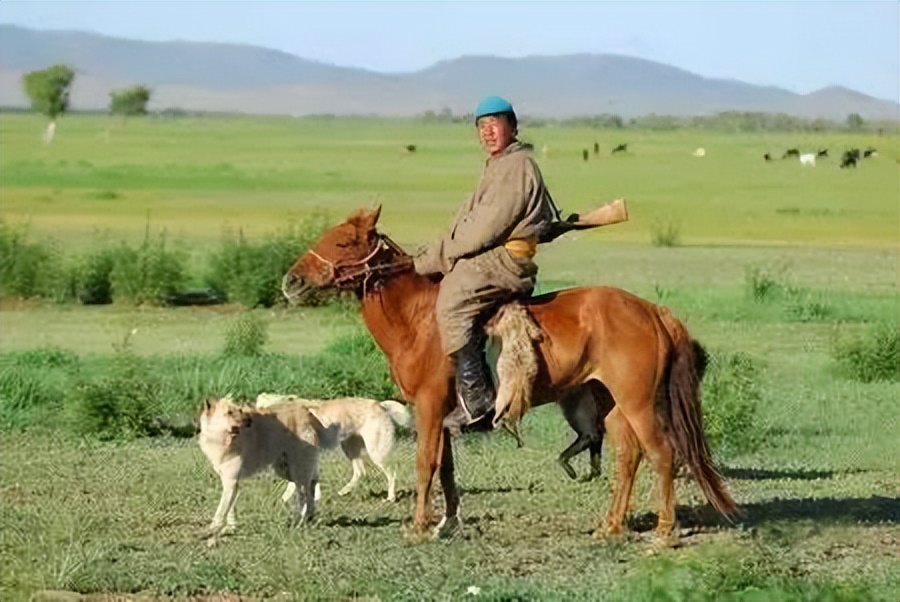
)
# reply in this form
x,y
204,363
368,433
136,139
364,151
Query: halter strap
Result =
x,y
361,268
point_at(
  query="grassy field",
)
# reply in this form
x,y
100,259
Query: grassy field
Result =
x,y
818,487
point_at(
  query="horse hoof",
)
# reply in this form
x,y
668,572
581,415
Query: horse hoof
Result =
x,y
607,535
417,535
447,528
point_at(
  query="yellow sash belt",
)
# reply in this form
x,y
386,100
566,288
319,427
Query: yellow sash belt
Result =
x,y
522,247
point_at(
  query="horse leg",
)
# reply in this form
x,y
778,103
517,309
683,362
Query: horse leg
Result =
x,y
451,522
660,454
428,441
628,458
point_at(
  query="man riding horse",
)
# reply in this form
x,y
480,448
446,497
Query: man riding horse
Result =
x,y
486,256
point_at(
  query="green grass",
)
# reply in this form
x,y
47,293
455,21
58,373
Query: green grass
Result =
x,y
196,176
818,485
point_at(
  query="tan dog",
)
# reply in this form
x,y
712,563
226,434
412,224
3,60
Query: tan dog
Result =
x,y
241,441
356,424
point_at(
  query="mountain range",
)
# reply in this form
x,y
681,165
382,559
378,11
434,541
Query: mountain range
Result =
x,y
202,76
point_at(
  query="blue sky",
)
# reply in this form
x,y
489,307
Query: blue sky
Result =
x,y
799,45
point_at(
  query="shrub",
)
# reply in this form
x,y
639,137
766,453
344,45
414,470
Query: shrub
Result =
x,y
871,357
666,234
121,403
247,335
250,273
95,278
764,284
26,268
148,273
33,386
731,394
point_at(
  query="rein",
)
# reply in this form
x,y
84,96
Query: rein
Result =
x,y
353,273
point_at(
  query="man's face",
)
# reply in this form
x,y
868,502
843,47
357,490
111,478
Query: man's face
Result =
x,y
495,133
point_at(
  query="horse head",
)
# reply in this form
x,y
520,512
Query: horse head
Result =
x,y
345,257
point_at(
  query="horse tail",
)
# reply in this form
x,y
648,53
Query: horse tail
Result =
x,y
683,415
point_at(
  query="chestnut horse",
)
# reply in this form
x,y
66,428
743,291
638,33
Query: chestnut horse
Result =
x,y
635,359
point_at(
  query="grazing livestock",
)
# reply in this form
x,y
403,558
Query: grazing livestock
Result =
x,y
410,148
596,148
791,152
822,153
584,154
870,152
808,159
767,157
620,149
700,152
848,159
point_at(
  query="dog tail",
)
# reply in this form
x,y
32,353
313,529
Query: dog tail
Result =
x,y
398,412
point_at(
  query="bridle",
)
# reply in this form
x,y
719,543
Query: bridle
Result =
x,y
351,274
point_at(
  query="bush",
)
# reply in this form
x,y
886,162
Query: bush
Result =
x,y
127,396
247,335
731,394
33,386
120,404
251,274
764,284
874,356
95,277
146,274
666,234
26,268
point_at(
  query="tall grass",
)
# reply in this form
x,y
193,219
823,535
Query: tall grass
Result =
x,y
871,356
249,272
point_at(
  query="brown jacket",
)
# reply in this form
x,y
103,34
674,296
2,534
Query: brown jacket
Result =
x,y
510,202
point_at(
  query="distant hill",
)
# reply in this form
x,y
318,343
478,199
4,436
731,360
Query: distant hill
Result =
x,y
249,79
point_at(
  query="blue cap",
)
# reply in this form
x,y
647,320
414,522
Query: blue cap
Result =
x,y
493,105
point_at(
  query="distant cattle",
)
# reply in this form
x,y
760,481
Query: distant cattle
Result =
x,y
528,146
849,158
870,152
823,152
791,152
620,149
767,157
410,148
808,159
700,152
596,148
584,154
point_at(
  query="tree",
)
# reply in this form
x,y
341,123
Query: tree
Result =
x,y
48,89
129,101
855,121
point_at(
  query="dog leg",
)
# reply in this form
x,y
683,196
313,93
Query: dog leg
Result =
x,y
359,469
224,510
391,476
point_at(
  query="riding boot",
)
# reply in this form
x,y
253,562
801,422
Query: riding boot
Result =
x,y
474,386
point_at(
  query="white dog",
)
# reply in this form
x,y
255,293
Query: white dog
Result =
x,y
356,424
241,441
